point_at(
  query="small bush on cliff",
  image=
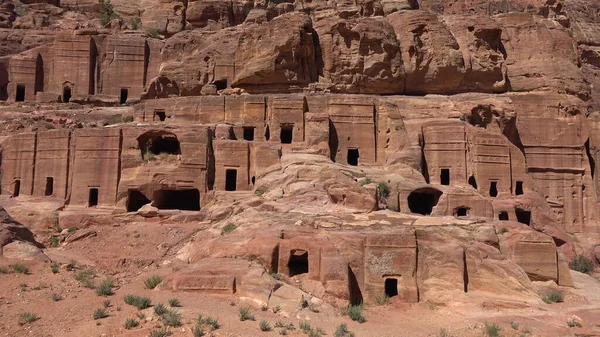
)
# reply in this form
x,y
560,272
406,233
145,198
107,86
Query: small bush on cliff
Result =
x,y
100,313
163,332
105,288
171,318
228,228
581,264
355,313
382,299
383,189
153,32
136,23
553,297
55,268
367,181
107,12
573,323
131,323
27,317
342,331
246,315
19,268
137,301
85,277
152,281
174,303
160,309
264,326
56,297
491,330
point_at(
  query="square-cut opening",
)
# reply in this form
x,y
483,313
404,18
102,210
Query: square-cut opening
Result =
x,y
503,216
20,94
298,262
124,93
391,287
49,186
248,133
66,97
287,133
93,197
159,115
17,188
353,156
445,176
493,189
230,180
519,188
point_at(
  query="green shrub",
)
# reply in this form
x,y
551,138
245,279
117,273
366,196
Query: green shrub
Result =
x,y
19,268
212,322
174,303
503,230
72,229
573,323
160,309
491,330
382,299
280,324
27,317
342,331
71,265
4,270
153,32
56,297
106,287
55,268
137,301
162,332
276,309
228,228
443,333
283,332
367,181
553,297
100,313
264,326
197,330
85,277
264,307
131,323
171,318
246,315
152,281
305,326
355,313
259,192
136,23
106,304
54,241
514,325
107,12
383,189
581,264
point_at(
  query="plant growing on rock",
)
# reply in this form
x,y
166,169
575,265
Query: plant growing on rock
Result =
x,y
107,12
581,264
553,297
491,330
160,309
264,326
136,23
131,323
342,331
573,323
106,287
137,301
174,303
56,297
171,318
152,281
228,228
355,313
163,332
27,317
245,314
19,268
100,313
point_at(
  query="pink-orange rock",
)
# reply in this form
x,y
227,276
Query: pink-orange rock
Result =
x,y
360,56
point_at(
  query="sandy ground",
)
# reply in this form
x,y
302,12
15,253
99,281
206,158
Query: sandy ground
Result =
x,y
130,254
